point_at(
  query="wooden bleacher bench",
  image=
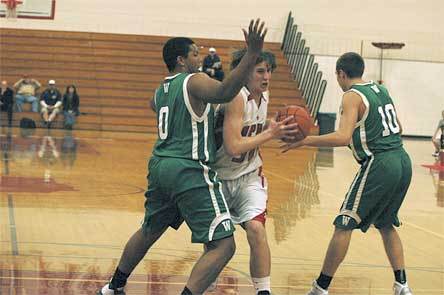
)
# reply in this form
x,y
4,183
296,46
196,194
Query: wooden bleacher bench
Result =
x,y
115,74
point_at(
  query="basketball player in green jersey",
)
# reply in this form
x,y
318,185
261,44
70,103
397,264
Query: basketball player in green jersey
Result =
x,y
181,186
369,126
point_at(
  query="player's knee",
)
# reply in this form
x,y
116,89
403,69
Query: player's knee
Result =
x,y
255,232
229,247
341,233
225,245
386,229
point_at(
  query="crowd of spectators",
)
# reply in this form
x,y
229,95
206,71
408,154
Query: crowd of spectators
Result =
x,y
50,102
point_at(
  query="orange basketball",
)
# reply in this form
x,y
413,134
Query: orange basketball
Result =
x,y
300,116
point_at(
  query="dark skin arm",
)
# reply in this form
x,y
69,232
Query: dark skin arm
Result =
x,y
202,89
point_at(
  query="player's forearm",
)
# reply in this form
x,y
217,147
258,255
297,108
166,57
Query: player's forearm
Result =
x,y
245,144
327,140
237,78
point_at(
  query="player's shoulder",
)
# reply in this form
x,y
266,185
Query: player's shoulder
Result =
x,y
200,76
352,94
353,99
244,93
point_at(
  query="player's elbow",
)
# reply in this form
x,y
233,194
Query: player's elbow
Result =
x,y
226,93
343,139
232,149
153,105
224,96
344,142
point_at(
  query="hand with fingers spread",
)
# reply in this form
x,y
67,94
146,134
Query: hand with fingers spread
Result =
x,y
283,130
255,36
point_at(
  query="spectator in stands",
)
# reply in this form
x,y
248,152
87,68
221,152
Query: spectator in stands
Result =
x,y
50,102
212,65
437,138
71,104
26,89
6,100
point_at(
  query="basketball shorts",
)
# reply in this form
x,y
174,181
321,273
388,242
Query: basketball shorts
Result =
x,y
186,190
377,192
247,197
439,139
46,110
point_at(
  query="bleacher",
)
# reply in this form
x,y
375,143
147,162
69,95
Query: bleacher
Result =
x,y
115,74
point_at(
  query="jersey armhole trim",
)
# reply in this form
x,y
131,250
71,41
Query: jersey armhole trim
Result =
x,y
244,93
172,77
155,98
186,98
367,107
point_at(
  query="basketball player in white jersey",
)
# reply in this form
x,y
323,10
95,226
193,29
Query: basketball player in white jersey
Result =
x,y
240,130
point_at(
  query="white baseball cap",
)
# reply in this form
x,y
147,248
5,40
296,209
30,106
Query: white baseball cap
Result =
x,y
212,49
51,82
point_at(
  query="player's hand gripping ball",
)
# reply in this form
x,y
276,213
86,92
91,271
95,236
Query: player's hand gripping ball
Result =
x,y
300,116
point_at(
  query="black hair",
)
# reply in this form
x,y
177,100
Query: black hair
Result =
x,y
352,64
71,86
266,56
174,47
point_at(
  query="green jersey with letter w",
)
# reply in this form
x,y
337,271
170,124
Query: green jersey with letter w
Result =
x,y
182,133
378,130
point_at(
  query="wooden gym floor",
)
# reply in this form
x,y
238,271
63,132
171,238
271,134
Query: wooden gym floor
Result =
x,y
70,200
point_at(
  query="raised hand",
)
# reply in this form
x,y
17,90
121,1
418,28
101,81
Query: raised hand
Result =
x,y
255,36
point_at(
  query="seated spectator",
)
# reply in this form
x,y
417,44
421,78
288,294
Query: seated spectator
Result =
x,y
71,104
212,65
26,89
50,101
6,100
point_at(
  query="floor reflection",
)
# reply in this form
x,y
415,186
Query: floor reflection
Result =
x,y
35,155
302,196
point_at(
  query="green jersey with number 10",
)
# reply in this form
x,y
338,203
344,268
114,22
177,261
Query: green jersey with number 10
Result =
x,y
182,133
378,130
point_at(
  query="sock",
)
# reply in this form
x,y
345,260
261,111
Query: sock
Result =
x,y
119,279
186,291
324,281
400,276
261,284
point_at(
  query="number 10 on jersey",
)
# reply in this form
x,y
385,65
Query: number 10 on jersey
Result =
x,y
389,120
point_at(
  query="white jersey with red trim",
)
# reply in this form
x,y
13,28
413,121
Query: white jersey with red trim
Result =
x,y
254,118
